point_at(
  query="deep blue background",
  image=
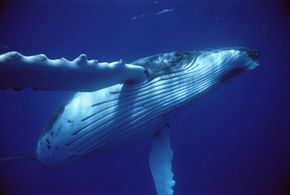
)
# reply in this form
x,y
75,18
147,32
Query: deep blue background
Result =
x,y
233,141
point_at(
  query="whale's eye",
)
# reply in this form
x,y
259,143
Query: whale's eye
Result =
x,y
254,55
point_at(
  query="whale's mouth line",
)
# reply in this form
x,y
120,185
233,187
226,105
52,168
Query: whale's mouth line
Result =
x,y
232,73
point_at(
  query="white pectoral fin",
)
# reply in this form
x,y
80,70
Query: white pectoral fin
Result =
x,y
39,72
160,160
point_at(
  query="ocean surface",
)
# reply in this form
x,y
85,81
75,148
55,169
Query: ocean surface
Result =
x,y
235,140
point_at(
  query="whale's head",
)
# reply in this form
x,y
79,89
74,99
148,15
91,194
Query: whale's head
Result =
x,y
198,71
225,62
241,60
214,67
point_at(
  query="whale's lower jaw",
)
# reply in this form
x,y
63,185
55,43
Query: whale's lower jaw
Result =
x,y
94,123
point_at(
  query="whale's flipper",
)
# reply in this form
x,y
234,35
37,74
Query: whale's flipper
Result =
x,y
160,159
39,72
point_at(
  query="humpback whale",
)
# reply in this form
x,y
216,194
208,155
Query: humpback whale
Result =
x,y
134,101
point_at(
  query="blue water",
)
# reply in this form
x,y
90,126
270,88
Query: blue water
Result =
x,y
233,141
